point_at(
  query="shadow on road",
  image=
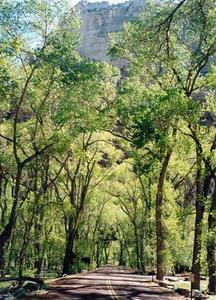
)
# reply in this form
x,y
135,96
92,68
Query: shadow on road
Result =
x,y
105,283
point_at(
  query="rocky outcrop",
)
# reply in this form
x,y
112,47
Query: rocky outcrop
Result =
x,y
100,19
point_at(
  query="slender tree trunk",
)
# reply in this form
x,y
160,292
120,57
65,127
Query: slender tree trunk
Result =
x,y
137,246
3,201
98,254
198,223
97,224
1,190
160,232
39,251
211,246
39,265
8,229
23,249
38,244
106,252
142,263
121,254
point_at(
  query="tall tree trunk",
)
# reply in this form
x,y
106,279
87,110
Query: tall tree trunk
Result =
x,y
39,265
38,243
198,223
203,182
69,257
24,248
98,254
97,224
106,252
8,229
142,263
211,245
121,254
39,252
136,246
160,232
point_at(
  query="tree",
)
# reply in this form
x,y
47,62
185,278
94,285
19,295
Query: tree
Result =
x,y
50,95
171,47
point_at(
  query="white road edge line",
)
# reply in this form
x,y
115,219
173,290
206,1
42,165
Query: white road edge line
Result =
x,y
111,290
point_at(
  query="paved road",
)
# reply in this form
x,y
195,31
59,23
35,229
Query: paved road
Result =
x,y
114,283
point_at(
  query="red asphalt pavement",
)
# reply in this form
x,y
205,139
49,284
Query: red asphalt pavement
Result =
x,y
105,283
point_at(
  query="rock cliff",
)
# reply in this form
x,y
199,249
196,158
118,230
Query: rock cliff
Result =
x,y
98,20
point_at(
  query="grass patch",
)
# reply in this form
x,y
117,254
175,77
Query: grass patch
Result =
x,y
187,285
4,285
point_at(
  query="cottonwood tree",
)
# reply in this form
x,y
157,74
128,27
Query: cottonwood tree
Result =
x,y
171,47
47,91
37,80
